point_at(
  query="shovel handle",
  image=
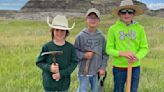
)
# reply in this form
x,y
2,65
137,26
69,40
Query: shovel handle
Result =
x,y
129,77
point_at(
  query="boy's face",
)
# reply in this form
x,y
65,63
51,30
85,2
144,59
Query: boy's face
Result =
x,y
59,34
92,20
126,15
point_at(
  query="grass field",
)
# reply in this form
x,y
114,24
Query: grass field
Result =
x,y
21,41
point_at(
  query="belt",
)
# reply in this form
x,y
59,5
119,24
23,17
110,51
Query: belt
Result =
x,y
121,68
124,68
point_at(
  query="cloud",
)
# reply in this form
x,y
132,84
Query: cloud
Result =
x,y
155,6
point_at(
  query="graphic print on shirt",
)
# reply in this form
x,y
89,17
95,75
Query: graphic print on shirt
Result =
x,y
92,43
131,35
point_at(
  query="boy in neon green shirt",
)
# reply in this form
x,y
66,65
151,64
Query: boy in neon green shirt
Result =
x,y
127,43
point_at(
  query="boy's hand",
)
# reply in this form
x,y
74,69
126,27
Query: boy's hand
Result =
x,y
56,76
132,60
128,55
101,72
88,55
54,68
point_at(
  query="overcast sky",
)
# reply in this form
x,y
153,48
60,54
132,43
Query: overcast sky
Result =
x,y
17,4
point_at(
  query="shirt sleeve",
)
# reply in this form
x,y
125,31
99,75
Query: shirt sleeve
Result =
x,y
143,46
41,61
110,46
104,56
78,46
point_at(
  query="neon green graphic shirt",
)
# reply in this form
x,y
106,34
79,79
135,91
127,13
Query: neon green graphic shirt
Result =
x,y
122,37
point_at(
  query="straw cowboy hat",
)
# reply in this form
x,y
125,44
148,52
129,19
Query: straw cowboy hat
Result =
x,y
60,22
128,4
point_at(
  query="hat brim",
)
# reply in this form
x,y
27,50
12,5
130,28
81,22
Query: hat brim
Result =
x,y
58,26
138,10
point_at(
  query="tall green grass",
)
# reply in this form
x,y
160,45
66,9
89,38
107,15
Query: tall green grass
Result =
x,y
21,41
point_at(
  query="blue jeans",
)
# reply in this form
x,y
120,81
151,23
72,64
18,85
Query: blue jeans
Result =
x,y
120,79
84,82
56,91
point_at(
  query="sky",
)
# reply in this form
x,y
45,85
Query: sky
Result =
x,y
12,4
153,4
17,4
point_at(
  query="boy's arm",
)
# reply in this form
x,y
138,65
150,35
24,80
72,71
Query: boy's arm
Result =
x,y
73,63
143,46
104,56
40,62
110,44
78,47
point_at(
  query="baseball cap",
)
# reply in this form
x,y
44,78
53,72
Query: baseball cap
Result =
x,y
93,10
